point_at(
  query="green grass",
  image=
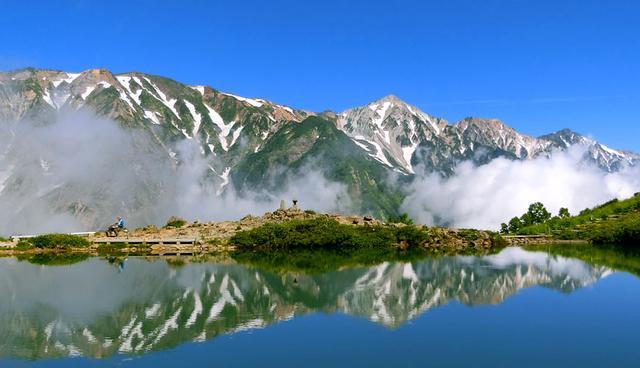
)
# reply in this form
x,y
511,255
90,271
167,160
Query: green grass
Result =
x,y
326,234
613,222
623,231
58,241
24,245
111,248
3,239
175,222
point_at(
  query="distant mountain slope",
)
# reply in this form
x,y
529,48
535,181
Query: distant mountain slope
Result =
x,y
247,139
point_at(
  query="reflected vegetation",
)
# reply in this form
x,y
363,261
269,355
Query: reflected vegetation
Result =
x,y
53,259
100,307
621,258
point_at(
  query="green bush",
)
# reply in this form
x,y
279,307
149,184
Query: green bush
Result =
x,y
59,241
325,234
175,222
498,241
24,245
402,219
623,232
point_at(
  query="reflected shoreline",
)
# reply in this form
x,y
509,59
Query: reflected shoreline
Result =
x,y
98,308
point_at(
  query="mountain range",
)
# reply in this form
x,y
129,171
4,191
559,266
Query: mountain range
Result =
x,y
255,143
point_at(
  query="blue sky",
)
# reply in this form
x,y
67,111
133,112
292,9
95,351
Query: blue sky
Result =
x,y
538,65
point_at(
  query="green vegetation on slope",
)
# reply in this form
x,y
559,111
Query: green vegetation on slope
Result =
x,y
625,230
614,222
317,144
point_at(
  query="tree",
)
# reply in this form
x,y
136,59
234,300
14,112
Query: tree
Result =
x,y
504,228
514,225
537,214
564,213
526,219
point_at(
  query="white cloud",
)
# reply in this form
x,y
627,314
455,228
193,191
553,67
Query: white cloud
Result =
x,y
80,171
485,196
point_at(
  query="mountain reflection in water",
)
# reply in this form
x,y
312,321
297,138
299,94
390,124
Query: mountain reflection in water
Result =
x,y
94,309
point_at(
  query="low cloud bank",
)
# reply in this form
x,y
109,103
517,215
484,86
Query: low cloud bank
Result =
x,y
487,195
81,171
197,197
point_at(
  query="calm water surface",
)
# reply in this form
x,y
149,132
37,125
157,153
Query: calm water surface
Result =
x,y
514,309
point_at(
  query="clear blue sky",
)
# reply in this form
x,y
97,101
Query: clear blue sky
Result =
x,y
538,65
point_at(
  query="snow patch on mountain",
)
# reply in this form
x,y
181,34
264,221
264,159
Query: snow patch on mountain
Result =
x,y
87,92
170,103
236,134
250,101
69,79
197,117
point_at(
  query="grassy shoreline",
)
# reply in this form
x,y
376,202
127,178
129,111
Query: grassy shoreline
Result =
x,y
614,222
308,232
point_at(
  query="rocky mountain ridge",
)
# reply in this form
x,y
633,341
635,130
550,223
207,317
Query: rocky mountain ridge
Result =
x,y
253,143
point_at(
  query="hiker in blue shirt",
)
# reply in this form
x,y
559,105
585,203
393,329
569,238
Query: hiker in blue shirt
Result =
x,y
113,230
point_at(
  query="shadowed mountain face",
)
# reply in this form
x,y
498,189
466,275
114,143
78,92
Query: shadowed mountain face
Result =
x,y
96,309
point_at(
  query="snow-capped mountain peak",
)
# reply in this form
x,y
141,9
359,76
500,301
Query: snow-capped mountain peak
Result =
x,y
390,130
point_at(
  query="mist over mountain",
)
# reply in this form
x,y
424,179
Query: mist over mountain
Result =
x,y
79,148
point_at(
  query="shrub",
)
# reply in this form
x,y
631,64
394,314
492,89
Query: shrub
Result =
x,y
59,241
402,219
498,241
624,232
325,234
175,222
469,235
24,245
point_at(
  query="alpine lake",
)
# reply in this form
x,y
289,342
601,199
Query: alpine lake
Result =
x,y
548,306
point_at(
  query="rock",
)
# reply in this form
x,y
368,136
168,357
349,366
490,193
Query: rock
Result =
x,y
403,245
